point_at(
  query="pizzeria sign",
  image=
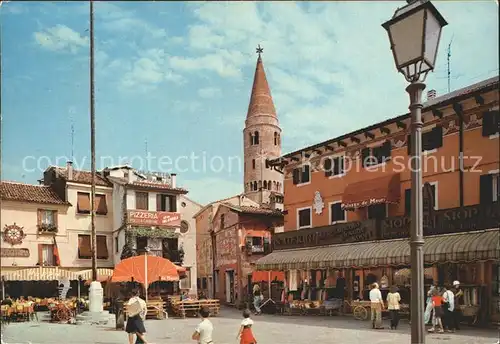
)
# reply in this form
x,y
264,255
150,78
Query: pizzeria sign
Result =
x,y
154,218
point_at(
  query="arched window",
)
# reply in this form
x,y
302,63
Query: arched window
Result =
x,y
251,139
269,185
260,185
265,184
275,138
253,164
256,138
274,186
255,186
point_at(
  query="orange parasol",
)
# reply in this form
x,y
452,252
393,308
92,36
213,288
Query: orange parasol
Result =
x,y
144,269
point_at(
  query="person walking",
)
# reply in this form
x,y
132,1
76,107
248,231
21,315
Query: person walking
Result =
x,y
448,308
393,299
245,333
457,312
203,332
377,305
437,305
429,308
257,298
137,310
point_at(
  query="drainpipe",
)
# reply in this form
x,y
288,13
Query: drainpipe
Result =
x,y
459,111
214,275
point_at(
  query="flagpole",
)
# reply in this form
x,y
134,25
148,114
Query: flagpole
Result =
x,y
92,145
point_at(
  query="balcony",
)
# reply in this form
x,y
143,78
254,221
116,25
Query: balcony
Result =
x,y
153,218
439,222
257,249
47,228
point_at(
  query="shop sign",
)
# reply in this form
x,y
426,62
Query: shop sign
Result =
x,y
327,235
154,218
446,221
15,252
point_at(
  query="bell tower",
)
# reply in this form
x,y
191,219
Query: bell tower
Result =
x,y
261,140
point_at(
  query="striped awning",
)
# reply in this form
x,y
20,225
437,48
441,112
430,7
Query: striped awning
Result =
x,y
463,247
103,274
40,273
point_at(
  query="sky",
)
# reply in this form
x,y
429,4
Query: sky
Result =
x,y
173,80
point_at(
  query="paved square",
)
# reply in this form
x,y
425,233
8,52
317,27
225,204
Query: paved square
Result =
x,y
268,329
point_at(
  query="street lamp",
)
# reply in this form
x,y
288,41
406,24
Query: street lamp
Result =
x,y
414,32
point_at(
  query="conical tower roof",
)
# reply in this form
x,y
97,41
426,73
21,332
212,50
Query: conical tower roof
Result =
x,y
261,101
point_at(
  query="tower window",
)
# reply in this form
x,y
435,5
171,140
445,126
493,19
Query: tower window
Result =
x,y
269,185
275,138
255,185
251,138
265,184
256,138
253,164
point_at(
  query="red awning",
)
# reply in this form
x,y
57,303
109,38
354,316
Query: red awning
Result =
x,y
263,276
385,189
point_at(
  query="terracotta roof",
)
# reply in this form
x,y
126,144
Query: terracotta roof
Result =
x,y
254,210
148,185
82,177
261,101
13,191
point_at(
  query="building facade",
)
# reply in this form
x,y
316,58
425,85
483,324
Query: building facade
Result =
x,y
347,203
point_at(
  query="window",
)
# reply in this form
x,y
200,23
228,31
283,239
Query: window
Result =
x,y
117,248
376,155
85,247
253,164
408,198
83,203
337,214
265,184
46,255
255,186
491,123
47,220
334,166
216,281
166,203
256,138
276,139
222,219
377,211
184,226
141,243
489,188
304,219
302,175
141,201
186,282
101,208
431,140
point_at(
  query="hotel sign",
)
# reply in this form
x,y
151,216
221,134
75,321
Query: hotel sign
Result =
x,y
14,252
327,235
153,218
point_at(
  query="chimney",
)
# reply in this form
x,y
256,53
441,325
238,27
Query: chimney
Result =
x,y
69,167
431,94
173,181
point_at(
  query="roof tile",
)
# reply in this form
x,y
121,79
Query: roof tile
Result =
x,y
13,191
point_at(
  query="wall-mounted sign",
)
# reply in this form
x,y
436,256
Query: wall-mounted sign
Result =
x,y
13,234
327,235
14,252
154,218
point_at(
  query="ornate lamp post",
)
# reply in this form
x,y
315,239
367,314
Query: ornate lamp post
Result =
x,y
414,32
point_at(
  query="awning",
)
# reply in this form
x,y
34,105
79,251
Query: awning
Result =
x,y
103,274
373,191
463,247
41,273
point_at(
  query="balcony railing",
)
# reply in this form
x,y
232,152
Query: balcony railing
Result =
x,y
445,221
153,218
47,228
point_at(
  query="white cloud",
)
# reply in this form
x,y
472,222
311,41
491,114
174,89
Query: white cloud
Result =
x,y
209,92
209,189
61,38
329,64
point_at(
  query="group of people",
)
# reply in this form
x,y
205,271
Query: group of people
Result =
x,y
137,310
377,306
442,307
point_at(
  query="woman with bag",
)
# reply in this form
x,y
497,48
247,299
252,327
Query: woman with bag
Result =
x,y
136,309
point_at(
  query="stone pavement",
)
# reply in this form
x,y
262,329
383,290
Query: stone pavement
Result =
x,y
268,329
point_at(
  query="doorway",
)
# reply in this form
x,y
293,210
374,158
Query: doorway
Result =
x,y
229,286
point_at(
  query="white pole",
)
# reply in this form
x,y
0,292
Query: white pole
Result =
x,y
146,274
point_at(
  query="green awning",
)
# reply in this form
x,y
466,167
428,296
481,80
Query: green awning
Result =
x,y
463,247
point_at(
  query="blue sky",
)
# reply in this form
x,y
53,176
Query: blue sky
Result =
x,y
179,75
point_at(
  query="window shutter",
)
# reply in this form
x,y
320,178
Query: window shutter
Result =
x,y
327,165
490,123
336,166
408,144
387,149
438,137
173,203
102,247
39,216
408,201
100,204
365,153
83,202
341,164
40,254
296,175
486,188
158,202
305,173
337,212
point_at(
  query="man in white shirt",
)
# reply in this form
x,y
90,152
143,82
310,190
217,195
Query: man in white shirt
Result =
x,y
377,305
448,307
203,332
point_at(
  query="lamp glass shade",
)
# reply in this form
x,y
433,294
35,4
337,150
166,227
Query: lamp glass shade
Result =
x,y
414,33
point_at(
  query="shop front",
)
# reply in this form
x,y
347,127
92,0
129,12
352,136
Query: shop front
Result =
x,y
341,261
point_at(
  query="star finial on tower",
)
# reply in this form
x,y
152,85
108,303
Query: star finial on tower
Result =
x,y
259,50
